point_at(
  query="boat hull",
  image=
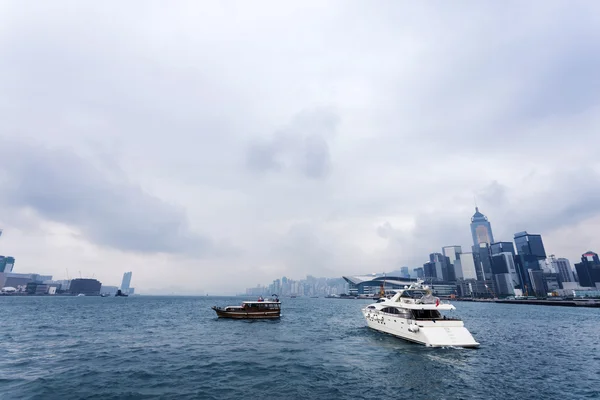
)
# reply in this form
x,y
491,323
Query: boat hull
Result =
x,y
441,333
247,315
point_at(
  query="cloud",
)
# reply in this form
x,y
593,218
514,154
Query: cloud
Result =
x,y
62,186
323,137
302,146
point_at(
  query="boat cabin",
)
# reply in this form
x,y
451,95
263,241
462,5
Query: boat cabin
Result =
x,y
249,306
415,314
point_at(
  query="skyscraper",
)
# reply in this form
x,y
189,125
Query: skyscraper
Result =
x,y
437,267
562,267
483,261
467,264
454,268
418,272
481,229
588,270
530,244
502,247
504,273
404,272
530,251
125,284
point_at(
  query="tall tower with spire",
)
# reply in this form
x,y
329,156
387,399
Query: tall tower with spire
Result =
x,y
481,229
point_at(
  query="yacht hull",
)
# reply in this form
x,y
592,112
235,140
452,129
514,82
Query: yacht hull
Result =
x,y
439,333
247,315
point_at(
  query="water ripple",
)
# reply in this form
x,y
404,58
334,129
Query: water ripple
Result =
x,y
175,348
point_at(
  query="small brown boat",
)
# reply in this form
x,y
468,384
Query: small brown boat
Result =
x,y
259,309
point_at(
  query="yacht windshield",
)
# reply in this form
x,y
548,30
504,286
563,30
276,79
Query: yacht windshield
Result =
x,y
413,294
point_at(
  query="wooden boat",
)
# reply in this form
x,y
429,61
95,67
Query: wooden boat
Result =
x,y
259,309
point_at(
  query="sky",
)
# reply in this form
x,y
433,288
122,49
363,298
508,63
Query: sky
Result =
x,y
212,146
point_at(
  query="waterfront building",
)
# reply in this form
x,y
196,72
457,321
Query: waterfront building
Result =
x,y
418,272
7,264
126,282
429,271
553,282
404,272
538,282
453,267
530,251
36,288
588,270
474,288
467,264
13,279
438,267
371,285
483,261
562,267
504,271
89,287
481,229
502,247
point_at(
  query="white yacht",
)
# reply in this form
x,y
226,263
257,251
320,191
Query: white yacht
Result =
x,y
414,314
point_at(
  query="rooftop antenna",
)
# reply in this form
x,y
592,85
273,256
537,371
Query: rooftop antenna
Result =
x,y
68,274
80,275
475,200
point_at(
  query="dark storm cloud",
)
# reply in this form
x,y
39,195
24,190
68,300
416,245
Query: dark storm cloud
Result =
x,y
301,146
64,187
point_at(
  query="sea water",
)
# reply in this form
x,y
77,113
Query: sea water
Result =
x,y
175,348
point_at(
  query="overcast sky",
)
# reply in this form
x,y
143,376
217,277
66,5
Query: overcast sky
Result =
x,y
212,146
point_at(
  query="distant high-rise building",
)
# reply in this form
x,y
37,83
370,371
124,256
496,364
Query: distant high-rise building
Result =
x,y
481,229
126,283
562,267
6,264
504,271
454,268
467,264
530,244
418,272
404,272
436,267
483,261
502,247
85,286
588,270
429,271
538,282
530,252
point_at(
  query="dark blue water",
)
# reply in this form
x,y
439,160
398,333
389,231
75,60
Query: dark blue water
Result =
x,y
175,348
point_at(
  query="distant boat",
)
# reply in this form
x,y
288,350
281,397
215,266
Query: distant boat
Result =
x,y
81,295
104,295
293,296
120,294
314,297
260,309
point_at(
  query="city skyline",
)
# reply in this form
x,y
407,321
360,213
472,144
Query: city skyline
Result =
x,y
206,151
